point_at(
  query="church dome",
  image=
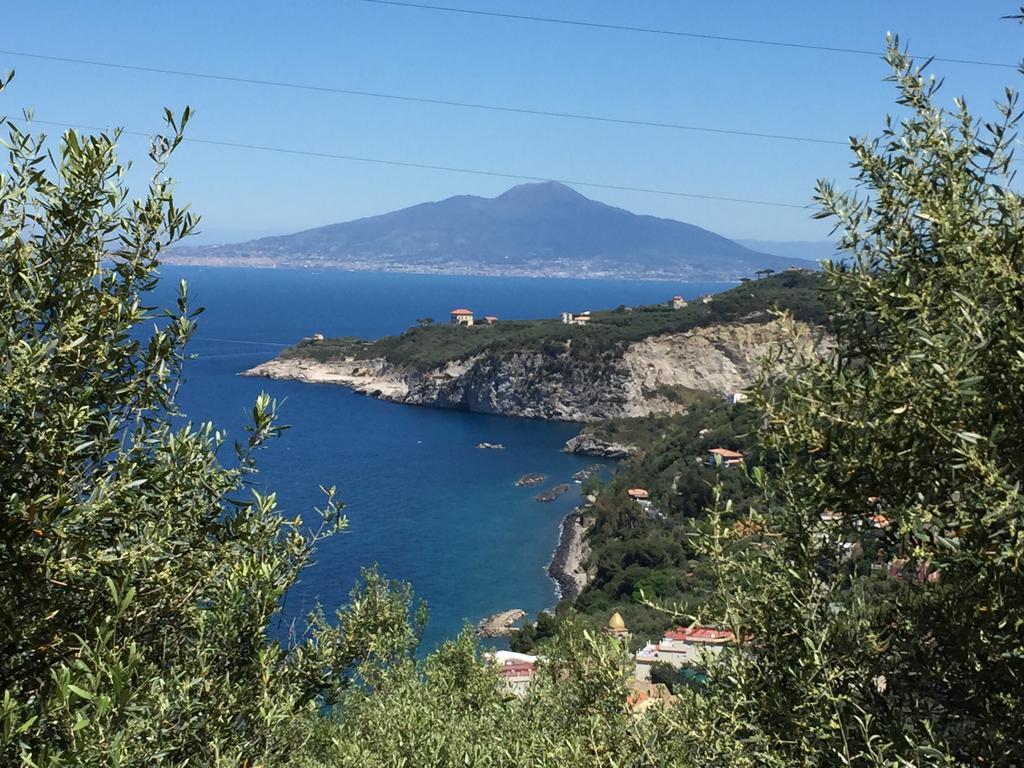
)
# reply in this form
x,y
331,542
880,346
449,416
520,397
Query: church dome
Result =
x,y
616,622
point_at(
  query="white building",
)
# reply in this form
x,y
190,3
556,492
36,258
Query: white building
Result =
x,y
678,302
581,318
682,647
462,316
515,669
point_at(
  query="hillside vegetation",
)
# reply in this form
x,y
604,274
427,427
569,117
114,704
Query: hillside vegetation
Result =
x,y
636,557
434,345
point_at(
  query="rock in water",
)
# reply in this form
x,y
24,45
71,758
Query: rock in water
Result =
x,y
587,444
534,478
552,493
491,446
499,624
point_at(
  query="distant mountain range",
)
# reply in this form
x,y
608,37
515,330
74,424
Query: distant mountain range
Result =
x,y
544,229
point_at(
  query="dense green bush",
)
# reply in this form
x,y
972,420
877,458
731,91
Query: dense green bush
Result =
x,y
140,577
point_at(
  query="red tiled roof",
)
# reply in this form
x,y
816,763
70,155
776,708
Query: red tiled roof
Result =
x,y
462,312
516,668
725,453
638,493
699,634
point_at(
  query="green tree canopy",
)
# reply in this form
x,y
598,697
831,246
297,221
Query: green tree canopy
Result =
x,y
886,614
138,574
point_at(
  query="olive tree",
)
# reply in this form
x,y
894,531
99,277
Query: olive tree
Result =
x,y
881,604
138,573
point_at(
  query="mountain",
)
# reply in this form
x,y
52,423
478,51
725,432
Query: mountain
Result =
x,y
543,229
810,250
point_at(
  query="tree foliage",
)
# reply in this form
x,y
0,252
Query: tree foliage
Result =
x,y
139,576
906,442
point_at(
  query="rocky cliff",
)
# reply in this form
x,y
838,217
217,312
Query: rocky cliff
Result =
x,y
650,376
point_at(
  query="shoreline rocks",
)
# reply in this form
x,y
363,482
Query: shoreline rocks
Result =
x,y
588,472
553,493
567,563
559,384
501,624
587,444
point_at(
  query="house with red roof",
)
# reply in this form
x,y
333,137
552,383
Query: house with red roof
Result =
x,y
725,456
516,670
682,647
462,316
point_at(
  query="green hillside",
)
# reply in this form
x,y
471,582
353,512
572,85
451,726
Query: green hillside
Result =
x,y
432,345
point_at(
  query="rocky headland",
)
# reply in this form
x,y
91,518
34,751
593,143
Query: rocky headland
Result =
x,y
640,379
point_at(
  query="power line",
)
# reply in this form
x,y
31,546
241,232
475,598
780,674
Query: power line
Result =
x,y
424,100
446,168
670,32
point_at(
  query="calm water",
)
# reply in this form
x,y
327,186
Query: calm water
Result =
x,y
423,503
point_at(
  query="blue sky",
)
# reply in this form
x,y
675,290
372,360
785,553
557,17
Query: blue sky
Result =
x,y
351,44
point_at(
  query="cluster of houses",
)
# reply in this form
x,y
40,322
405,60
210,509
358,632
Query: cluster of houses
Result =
x,y
681,648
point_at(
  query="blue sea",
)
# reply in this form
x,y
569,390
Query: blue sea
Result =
x,y
423,503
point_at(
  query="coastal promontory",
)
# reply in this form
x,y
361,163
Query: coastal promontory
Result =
x,y
625,362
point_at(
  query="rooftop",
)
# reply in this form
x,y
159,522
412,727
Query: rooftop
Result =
x,y
462,312
725,453
699,634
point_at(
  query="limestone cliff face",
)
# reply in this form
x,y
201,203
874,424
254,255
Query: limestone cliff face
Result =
x,y
558,384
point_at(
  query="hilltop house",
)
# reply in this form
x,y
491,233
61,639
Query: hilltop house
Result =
x,y
581,318
706,298
727,457
462,317
643,498
678,302
682,647
490,319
